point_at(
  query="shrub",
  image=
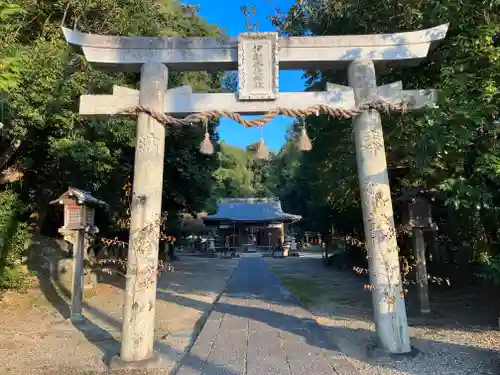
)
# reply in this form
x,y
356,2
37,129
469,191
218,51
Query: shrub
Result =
x,y
11,278
13,235
490,268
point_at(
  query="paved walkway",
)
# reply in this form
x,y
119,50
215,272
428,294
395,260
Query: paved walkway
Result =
x,y
259,328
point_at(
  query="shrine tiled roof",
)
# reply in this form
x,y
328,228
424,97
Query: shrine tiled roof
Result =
x,y
251,210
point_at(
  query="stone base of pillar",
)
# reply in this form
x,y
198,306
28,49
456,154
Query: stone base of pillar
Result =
x,y
411,354
76,318
376,351
155,362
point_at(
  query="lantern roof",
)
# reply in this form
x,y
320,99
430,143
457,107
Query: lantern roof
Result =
x,y
416,191
83,197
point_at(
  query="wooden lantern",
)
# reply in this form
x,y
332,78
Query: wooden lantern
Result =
x,y
77,216
79,209
416,208
419,212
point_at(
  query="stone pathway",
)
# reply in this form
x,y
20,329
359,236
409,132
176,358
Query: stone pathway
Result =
x,y
257,327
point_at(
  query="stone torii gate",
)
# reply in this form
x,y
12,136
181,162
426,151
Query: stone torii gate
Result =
x,y
258,58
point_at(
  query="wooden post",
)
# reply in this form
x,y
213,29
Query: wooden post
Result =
x,y
433,246
324,253
388,300
77,281
422,281
140,295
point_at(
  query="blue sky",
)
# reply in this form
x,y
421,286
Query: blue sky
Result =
x,y
227,14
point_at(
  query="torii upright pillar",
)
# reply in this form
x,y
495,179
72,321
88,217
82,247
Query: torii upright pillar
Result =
x,y
140,290
383,257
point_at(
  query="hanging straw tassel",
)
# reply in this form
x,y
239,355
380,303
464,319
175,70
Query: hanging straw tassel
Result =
x,y
303,142
261,152
206,146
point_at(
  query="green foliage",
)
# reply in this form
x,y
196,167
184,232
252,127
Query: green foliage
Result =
x,y
40,105
234,176
453,146
12,278
307,291
13,235
10,61
490,269
41,80
240,175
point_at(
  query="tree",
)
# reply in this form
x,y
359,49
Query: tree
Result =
x,y
233,178
453,147
41,80
242,175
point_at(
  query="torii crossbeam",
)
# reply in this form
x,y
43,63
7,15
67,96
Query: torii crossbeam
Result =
x,y
181,101
130,53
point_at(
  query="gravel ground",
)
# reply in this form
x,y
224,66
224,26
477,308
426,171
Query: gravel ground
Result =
x,y
460,336
36,338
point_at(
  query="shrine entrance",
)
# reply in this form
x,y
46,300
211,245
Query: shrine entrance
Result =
x,y
258,58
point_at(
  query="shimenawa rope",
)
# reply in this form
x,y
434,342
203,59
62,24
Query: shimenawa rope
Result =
x,y
380,105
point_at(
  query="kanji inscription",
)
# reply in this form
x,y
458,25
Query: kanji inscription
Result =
x,y
258,66
148,144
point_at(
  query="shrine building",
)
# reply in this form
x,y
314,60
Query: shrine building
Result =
x,y
250,222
